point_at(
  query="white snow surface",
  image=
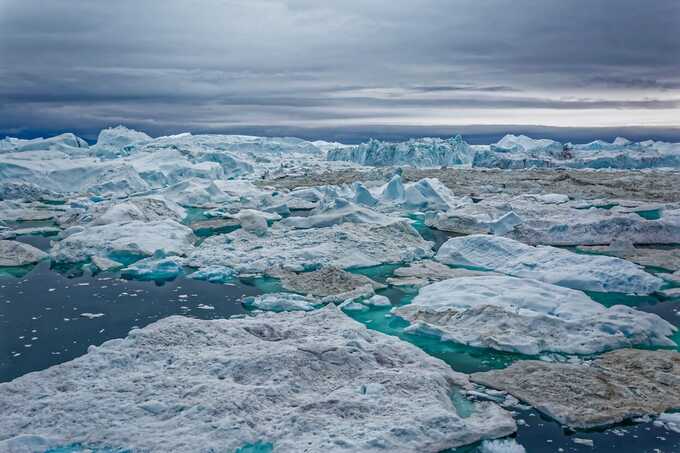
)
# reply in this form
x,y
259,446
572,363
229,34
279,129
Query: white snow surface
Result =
x,y
529,317
548,264
551,220
318,380
125,239
348,245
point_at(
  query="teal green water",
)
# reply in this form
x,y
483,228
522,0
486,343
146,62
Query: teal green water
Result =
x,y
377,273
258,447
651,214
611,299
459,357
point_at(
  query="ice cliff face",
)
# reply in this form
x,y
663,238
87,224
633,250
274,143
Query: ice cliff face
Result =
x,y
424,152
512,152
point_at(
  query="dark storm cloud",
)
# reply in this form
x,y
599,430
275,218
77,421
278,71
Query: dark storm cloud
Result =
x,y
171,65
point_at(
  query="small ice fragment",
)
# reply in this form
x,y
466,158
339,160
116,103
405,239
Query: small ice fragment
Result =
x,y
92,315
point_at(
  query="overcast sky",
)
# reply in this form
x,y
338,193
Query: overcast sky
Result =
x,y
214,65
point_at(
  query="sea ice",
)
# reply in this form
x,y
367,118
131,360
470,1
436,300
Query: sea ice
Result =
x,y
214,274
13,253
124,241
614,387
158,267
316,379
345,246
529,317
548,264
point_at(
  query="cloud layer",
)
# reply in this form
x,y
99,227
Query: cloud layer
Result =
x,y
214,65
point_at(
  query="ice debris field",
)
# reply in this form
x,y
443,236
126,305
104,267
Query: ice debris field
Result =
x,y
227,293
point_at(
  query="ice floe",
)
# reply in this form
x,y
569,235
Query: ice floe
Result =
x,y
548,264
614,387
318,380
348,245
124,241
329,283
13,253
529,317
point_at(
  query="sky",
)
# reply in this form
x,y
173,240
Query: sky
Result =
x,y
281,66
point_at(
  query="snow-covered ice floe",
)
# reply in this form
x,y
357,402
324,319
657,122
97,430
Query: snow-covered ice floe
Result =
x,y
124,241
317,379
538,219
548,264
348,245
13,253
529,317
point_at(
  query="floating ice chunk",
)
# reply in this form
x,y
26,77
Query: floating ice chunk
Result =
x,y
670,421
67,143
253,222
138,208
429,194
596,393
338,212
505,223
662,258
377,301
363,196
104,264
527,316
195,192
13,253
281,302
345,246
394,191
327,282
115,141
421,273
548,264
323,369
501,446
92,315
157,267
214,274
352,305
124,241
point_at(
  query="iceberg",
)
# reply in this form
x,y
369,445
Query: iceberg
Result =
x,y
13,253
278,302
125,241
157,267
337,212
548,264
337,387
540,220
329,283
423,152
612,388
517,152
345,246
421,273
214,274
529,317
